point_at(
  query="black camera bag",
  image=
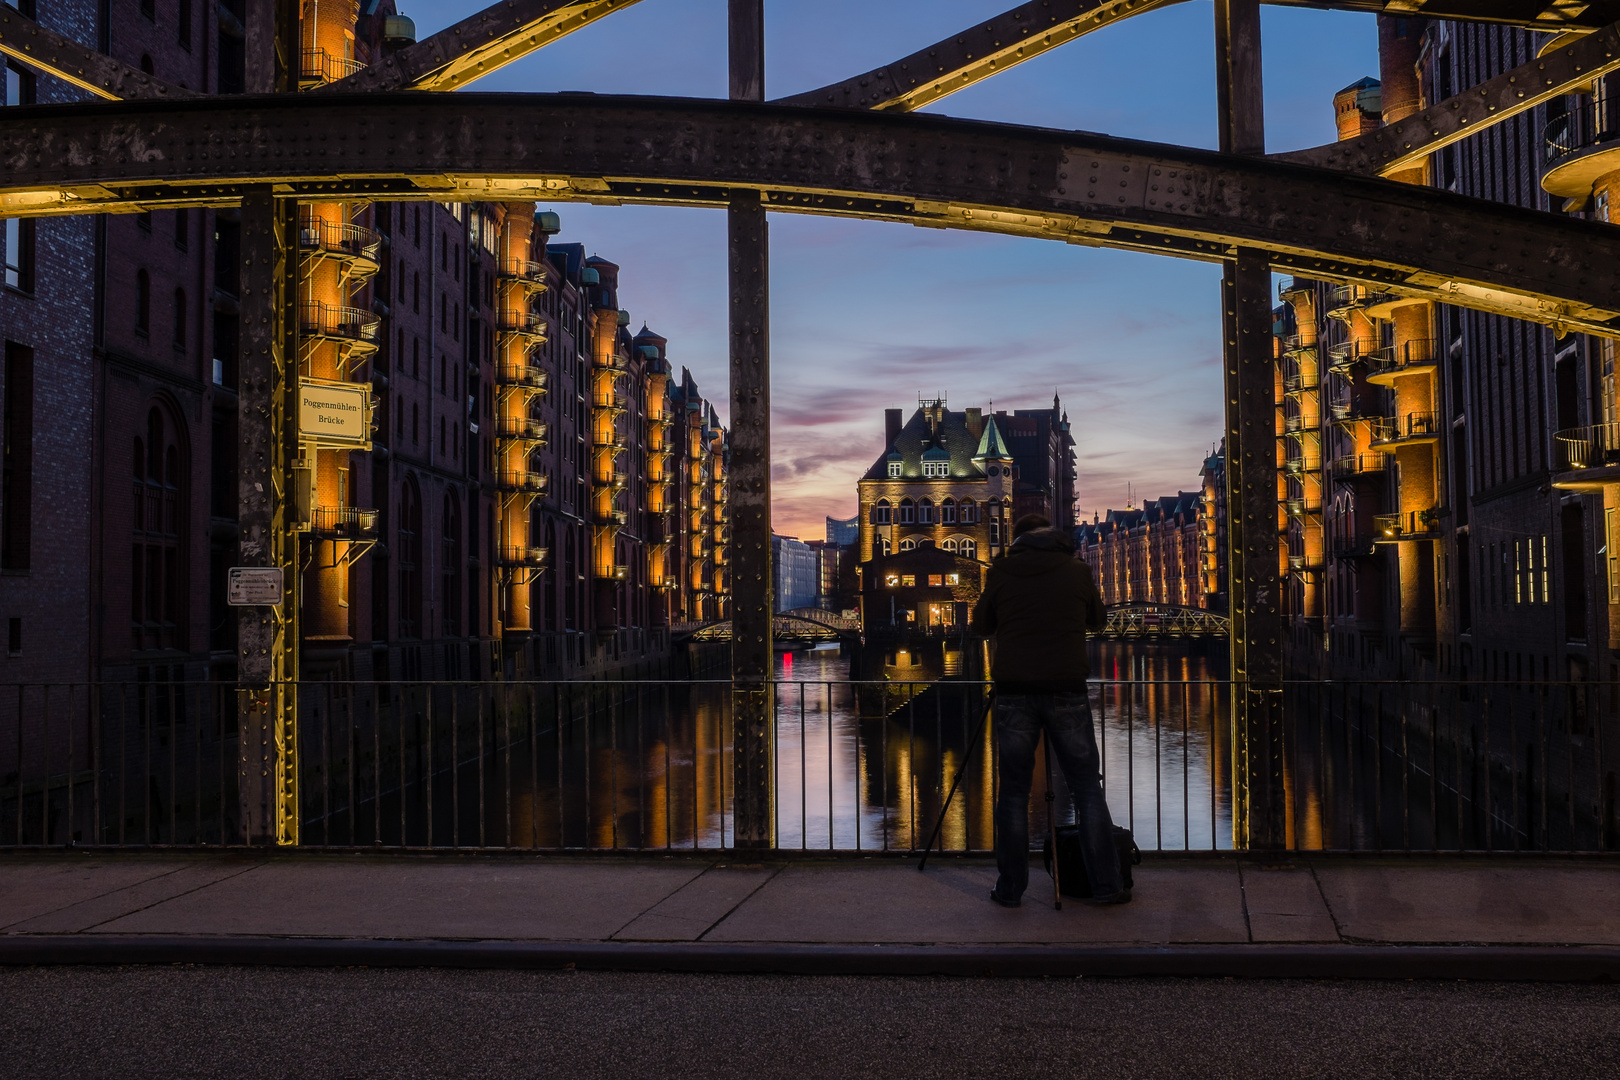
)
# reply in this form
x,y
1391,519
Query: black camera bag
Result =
x,y
1072,880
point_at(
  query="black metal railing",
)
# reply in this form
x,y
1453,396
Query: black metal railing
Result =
x,y
1467,766
1588,447
344,521
1407,356
1585,127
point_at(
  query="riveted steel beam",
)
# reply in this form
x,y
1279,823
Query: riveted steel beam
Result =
x,y
1530,14
752,581
24,39
985,49
478,45
935,171
1407,142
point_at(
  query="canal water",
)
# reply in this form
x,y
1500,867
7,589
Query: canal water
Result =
x,y
860,765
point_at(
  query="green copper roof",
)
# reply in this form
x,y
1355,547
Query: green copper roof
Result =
x,y
991,446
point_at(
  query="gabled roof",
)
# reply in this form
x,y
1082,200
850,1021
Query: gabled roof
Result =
x,y
953,441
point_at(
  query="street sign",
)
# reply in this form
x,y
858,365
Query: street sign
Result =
x,y
254,586
334,413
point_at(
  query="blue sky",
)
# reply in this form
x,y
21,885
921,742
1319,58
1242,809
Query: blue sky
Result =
x,y
868,315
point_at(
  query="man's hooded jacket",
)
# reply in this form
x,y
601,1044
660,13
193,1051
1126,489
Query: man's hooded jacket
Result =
x,y
1038,603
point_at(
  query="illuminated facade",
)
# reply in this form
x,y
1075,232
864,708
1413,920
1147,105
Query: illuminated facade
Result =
x,y
1159,553
508,500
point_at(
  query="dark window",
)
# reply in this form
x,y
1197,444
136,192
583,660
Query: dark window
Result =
x,y
450,563
182,230
410,560
180,318
416,423
149,9
416,293
158,594
144,220
143,302
19,253
19,86
418,237
183,25
17,476
14,636
24,6
146,65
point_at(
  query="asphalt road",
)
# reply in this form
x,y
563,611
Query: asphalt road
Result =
x,y
368,1023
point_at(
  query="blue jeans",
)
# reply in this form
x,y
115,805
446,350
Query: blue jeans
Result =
x,y
1066,719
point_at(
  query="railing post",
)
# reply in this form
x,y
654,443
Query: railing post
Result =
x,y
749,289
267,637
1258,803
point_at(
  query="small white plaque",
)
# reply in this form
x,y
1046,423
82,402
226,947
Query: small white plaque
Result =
x,y
254,586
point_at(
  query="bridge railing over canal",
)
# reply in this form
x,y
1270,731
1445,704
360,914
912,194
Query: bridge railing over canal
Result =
x,y
859,766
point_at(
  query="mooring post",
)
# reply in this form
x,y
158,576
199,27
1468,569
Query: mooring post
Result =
x,y
1259,811
267,635
748,282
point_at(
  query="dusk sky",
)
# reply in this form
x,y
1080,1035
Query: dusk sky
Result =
x,y
869,315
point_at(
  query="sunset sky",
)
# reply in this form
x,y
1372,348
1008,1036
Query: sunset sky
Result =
x,y
868,315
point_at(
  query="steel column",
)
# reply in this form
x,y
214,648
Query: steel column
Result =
x,y
1258,806
267,638
752,580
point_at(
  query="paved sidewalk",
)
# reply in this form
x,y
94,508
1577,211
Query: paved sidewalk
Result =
x,y
1445,917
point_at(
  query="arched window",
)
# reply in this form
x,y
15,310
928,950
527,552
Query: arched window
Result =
x,y
143,302
968,549
883,545
908,512
908,544
949,545
947,511
882,513
450,565
968,513
180,318
925,512
158,585
410,560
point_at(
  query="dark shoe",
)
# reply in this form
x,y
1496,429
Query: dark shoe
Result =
x,y
1004,901
1121,897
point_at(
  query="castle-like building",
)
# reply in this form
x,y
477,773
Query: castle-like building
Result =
x,y
938,504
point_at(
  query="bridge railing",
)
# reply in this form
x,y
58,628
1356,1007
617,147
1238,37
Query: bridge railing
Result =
x,y
859,766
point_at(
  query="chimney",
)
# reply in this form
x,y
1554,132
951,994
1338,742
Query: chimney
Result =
x,y
975,422
891,426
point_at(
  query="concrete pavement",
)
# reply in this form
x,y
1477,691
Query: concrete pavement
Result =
x,y
1547,918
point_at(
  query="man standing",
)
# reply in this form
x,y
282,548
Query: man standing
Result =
x,y
1038,603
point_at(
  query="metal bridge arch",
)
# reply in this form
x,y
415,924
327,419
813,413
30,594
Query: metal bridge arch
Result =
x,y
852,148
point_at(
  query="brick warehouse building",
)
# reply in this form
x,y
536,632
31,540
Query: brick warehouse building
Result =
x,y
1445,491
537,495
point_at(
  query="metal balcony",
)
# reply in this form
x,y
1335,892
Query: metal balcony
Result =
x,y
1304,564
531,376
526,324
333,322
610,518
1417,427
526,557
1346,298
317,66
1302,507
1413,525
523,270
522,428
1355,547
1591,447
343,523
1412,357
1355,466
523,481
1299,465
341,240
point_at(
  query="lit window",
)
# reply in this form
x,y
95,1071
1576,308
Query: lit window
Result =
x,y
953,579
891,580
908,581
950,546
936,580
936,469
894,470
969,549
